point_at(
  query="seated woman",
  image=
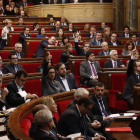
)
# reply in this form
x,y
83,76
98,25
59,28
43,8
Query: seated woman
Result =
x,y
64,41
60,33
107,32
65,55
36,26
21,8
14,8
129,46
49,84
87,27
42,33
71,27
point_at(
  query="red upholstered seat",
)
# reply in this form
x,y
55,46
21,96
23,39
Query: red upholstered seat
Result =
x,y
96,51
30,117
56,115
102,62
34,87
62,106
4,85
5,54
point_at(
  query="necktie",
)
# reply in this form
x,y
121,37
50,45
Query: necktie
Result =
x,y
115,64
138,78
16,68
93,69
103,109
25,4
83,125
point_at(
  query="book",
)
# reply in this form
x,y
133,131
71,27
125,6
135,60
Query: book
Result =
x,y
118,129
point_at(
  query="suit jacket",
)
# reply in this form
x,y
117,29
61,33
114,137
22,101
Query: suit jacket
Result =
x,y
85,70
13,98
123,35
22,37
70,79
10,68
54,28
131,81
79,50
1,104
96,108
101,53
109,64
22,54
40,51
88,35
94,43
50,23
19,24
117,42
70,123
137,43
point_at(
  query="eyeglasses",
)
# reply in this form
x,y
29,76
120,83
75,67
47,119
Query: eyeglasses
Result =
x,y
22,80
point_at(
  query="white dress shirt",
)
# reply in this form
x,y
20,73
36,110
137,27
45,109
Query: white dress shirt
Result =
x,y
114,43
126,35
113,62
65,82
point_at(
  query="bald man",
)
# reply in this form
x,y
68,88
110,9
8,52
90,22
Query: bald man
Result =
x,y
105,51
57,26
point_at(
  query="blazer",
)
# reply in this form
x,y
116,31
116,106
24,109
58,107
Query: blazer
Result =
x,y
123,35
85,70
10,68
40,51
94,43
131,81
88,35
54,28
109,64
70,79
101,53
96,108
13,98
117,42
22,54
50,23
70,123
1,104
79,50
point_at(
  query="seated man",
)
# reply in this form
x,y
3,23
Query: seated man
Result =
x,y
63,21
89,70
92,32
13,67
16,89
20,21
22,14
18,51
73,120
51,21
25,34
135,40
114,62
66,80
98,40
44,44
114,40
133,72
126,33
56,27
105,51
103,26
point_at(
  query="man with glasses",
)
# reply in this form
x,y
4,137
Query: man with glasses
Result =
x,y
114,40
133,77
114,62
13,67
17,94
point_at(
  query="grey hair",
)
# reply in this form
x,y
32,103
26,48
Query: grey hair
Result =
x,y
80,92
42,117
111,52
17,44
103,43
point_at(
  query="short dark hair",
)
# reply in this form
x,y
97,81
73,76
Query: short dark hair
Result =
x,y
134,64
126,27
65,37
34,25
135,34
26,28
99,84
88,54
12,53
86,101
20,72
87,43
75,30
58,65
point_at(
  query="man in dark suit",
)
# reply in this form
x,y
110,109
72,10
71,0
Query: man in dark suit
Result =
x,y
56,27
13,67
105,51
18,51
66,80
103,26
23,3
23,36
114,62
126,33
44,44
100,107
51,21
114,40
20,21
135,40
89,70
16,89
63,21
81,51
98,40
92,32
133,77
73,120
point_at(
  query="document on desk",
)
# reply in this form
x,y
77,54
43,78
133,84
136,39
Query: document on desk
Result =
x,y
114,115
2,128
129,114
4,138
74,135
23,94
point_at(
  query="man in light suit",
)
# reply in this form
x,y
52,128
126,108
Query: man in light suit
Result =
x,y
135,40
66,80
114,62
97,41
14,98
13,67
105,51
89,70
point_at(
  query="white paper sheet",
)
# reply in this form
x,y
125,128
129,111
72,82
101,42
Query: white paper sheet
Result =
x,y
114,115
4,138
74,135
22,93
128,114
